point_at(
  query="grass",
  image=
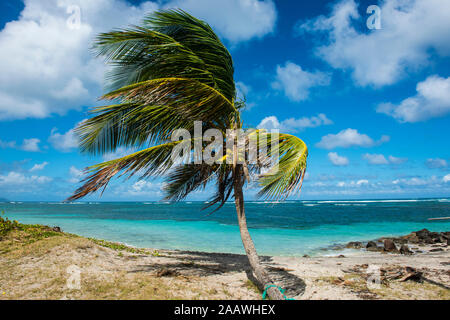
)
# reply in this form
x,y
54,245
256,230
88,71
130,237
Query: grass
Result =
x,y
34,263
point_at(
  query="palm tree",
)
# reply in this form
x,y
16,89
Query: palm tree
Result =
x,y
164,75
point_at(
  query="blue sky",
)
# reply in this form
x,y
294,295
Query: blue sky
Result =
x,y
372,105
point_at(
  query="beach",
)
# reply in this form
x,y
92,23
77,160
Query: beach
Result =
x,y
40,262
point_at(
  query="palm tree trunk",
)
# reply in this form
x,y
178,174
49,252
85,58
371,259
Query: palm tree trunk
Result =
x,y
260,273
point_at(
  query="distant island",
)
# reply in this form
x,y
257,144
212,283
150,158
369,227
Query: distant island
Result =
x,y
3,200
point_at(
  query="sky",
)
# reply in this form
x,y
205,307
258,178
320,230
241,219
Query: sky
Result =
x,y
369,93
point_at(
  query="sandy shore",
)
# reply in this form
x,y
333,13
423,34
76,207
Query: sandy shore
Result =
x,y
41,268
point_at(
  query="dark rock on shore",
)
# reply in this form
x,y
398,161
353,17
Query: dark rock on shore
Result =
x,y
354,245
372,246
425,236
389,246
404,249
392,244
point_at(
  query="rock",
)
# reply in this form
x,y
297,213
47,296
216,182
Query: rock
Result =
x,y
372,246
56,229
341,256
436,250
354,245
389,246
306,256
412,237
404,249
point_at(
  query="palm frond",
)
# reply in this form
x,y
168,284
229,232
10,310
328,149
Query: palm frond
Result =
x,y
153,161
200,39
151,111
138,54
285,163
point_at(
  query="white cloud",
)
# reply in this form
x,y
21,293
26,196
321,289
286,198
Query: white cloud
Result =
x,y
236,20
64,142
39,167
19,179
296,82
30,145
395,160
375,158
294,125
349,138
362,182
415,181
46,66
436,163
378,57
75,174
145,188
337,160
379,159
431,101
446,178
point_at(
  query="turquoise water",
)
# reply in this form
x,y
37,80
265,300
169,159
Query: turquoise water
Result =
x,y
291,228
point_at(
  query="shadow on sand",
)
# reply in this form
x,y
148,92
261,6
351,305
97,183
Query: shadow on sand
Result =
x,y
202,264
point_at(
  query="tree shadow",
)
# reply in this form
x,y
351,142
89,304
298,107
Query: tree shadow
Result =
x,y
202,264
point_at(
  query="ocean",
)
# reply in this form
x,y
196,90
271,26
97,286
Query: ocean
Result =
x,y
292,228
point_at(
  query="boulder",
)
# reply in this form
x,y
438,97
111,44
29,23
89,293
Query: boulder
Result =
x,y
354,245
56,229
389,246
372,246
412,238
404,249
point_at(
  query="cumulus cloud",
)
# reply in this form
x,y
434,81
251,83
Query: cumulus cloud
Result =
x,y
436,163
353,184
431,101
143,188
395,160
39,167
337,160
19,179
46,65
235,20
375,158
379,159
446,178
30,145
75,174
377,57
296,83
64,142
294,125
349,138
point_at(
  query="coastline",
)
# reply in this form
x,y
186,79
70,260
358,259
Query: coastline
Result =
x,y
34,262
